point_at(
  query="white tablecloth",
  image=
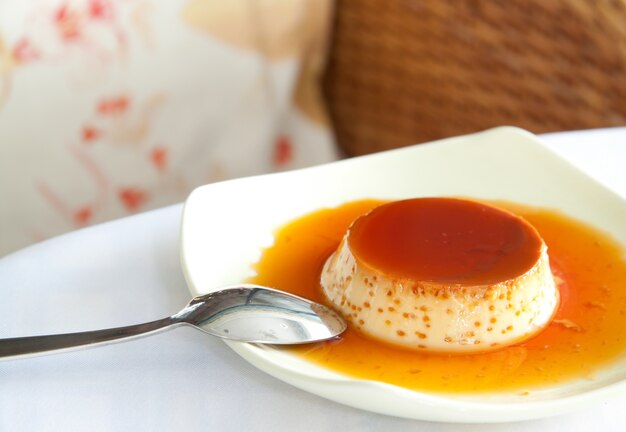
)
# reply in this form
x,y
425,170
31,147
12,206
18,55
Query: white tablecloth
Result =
x,y
127,272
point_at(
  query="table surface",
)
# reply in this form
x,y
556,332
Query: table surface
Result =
x,y
128,271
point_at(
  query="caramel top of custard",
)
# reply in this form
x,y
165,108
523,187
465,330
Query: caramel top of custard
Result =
x,y
445,240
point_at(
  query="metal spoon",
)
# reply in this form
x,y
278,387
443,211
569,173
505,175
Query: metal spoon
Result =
x,y
245,313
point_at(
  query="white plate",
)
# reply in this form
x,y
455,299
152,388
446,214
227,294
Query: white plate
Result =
x,y
226,225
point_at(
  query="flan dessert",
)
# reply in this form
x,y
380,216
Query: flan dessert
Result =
x,y
442,274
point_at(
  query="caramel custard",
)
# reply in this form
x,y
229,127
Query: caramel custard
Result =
x,y
586,333
442,274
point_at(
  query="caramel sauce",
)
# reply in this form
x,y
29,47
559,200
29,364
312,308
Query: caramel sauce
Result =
x,y
586,333
445,240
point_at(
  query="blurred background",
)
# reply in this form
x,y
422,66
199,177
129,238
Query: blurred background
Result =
x,y
112,107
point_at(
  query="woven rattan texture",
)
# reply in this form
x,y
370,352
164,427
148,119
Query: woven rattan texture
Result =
x,y
404,72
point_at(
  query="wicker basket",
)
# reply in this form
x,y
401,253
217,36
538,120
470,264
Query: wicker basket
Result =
x,y
404,72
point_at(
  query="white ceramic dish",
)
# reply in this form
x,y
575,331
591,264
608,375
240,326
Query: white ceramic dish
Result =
x,y
226,225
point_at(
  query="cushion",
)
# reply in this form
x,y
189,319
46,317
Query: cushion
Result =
x,y
111,107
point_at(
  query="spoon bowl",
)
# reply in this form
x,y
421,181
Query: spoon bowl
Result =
x,y
251,313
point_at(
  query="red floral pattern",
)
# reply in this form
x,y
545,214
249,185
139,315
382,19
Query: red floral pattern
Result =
x,y
113,106
90,134
127,118
132,198
158,157
283,151
83,215
23,51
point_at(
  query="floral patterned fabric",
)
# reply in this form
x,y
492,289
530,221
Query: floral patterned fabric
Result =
x,y
110,107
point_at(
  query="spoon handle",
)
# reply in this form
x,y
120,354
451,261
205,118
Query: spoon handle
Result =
x,y
34,345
